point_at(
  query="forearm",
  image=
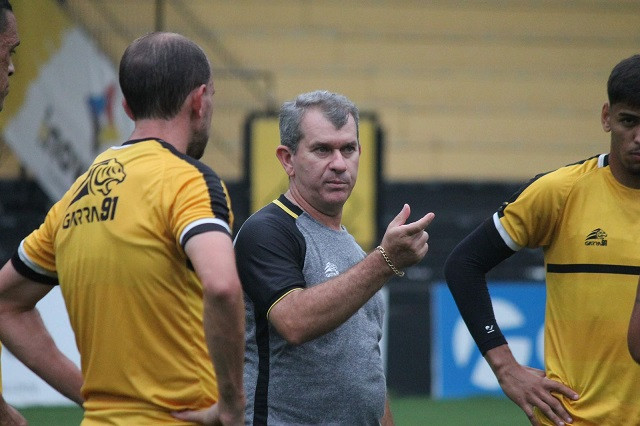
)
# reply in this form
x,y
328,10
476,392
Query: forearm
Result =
x,y
633,336
24,334
9,416
224,329
500,359
307,314
465,271
387,418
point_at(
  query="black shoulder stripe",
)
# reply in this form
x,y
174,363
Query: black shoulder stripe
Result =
x,y
217,193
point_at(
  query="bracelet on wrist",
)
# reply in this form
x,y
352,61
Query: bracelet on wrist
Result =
x,y
391,265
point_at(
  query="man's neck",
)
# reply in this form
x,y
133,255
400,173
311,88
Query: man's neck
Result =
x,y
167,130
623,176
330,221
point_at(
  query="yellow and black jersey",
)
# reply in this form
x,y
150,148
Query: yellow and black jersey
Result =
x,y
114,243
588,226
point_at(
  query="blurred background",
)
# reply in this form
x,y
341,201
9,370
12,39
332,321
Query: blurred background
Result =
x,y
462,103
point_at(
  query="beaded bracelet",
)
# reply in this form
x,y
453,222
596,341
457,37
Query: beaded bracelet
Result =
x,y
391,265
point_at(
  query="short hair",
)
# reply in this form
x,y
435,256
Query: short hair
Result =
x,y
4,6
624,82
335,107
158,71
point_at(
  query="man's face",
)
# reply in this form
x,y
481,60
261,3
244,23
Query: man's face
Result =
x,y
325,165
200,135
623,122
8,42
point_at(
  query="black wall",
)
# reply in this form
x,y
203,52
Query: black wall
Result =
x,y
23,206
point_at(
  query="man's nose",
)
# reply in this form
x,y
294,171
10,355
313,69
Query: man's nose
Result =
x,y
337,161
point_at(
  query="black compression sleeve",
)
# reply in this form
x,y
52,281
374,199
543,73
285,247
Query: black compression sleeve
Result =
x,y
465,271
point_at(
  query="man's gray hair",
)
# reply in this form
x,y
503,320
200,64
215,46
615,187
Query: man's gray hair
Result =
x,y
335,107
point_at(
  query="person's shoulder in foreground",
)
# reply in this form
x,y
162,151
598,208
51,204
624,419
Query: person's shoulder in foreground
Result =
x,y
9,41
585,216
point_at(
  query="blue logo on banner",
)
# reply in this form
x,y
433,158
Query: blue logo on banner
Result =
x,y
458,368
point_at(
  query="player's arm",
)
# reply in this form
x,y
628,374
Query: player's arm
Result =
x,y
213,259
387,418
633,336
24,334
9,416
311,312
465,271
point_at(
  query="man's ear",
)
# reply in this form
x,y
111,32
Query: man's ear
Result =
x,y
286,159
605,117
127,110
197,100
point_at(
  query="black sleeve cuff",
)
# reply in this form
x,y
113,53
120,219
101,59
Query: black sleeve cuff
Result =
x,y
29,273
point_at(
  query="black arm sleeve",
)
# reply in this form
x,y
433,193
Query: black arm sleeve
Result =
x,y
465,271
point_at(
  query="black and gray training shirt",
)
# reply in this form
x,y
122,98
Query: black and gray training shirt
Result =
x,y
337,378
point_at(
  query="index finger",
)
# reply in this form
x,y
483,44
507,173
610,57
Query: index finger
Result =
x,y
556,386
420,224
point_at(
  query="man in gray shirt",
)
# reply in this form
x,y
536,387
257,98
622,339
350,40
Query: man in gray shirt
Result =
x,y
314,311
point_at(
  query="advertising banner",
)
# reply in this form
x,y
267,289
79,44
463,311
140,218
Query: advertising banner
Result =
x,y
458,368
65,102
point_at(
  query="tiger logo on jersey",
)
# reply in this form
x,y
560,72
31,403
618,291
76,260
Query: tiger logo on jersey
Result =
x,y
101,178
597,237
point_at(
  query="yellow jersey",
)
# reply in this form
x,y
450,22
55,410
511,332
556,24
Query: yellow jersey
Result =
x,y
588,226
114,242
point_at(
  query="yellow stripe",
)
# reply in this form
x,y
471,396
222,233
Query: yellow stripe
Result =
x,y
285,208
280,298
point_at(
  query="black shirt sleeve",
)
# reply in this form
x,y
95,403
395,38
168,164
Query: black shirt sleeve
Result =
x,y
465,271
270,255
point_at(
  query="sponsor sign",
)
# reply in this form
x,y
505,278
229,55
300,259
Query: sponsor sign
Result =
x,y
61,116
458,368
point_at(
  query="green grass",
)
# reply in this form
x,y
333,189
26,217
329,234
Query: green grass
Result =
x,y
485,411
52,416
406,411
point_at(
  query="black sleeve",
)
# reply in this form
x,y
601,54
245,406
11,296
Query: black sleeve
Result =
x,y
270,257
465,271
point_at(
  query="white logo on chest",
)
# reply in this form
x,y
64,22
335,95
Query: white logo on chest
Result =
x,y
330,270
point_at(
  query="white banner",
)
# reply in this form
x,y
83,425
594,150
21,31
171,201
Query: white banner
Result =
x,y
71,112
